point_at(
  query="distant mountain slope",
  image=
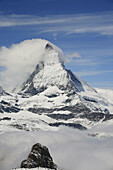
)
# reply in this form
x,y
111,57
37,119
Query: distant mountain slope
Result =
x,y
106,93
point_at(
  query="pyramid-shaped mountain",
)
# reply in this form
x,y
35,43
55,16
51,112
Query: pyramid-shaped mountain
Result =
x,y
51,72
53,89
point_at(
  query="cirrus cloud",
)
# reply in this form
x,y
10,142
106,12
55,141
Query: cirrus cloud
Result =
x,y
99,23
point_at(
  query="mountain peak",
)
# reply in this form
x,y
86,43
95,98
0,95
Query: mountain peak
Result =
x,y
49,72
48,47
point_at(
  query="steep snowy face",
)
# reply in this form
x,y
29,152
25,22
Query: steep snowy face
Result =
x,y
50,72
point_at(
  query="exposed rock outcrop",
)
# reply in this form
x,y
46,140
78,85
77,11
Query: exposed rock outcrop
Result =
x,y
8,108
39,157
73,125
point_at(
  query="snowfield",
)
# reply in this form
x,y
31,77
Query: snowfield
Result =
x,y
106,93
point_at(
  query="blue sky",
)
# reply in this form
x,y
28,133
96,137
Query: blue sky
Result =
x,y
83,29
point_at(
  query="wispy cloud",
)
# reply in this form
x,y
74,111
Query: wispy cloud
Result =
x,y
74,55
19,60
100,23
92,73
55,36
104,83
84,61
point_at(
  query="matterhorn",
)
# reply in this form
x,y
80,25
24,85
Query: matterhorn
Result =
x,y
50,98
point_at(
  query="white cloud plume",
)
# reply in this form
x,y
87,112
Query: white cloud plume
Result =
x,y
90,73
74,55
20,61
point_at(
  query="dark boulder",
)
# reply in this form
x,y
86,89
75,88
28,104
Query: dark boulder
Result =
x,y
39,157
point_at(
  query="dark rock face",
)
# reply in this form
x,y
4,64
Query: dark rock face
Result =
x,y
61,116
7,107
78,108
39,157
97,116
89,99
76,83
5,118
108,117
73,125
20,126
94,116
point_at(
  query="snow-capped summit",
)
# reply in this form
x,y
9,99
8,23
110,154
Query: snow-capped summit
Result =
x,y
50,71
52,86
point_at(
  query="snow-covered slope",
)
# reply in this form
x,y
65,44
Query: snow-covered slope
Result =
x,y
106,93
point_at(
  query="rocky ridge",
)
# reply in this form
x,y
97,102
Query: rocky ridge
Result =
x,y
39,157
